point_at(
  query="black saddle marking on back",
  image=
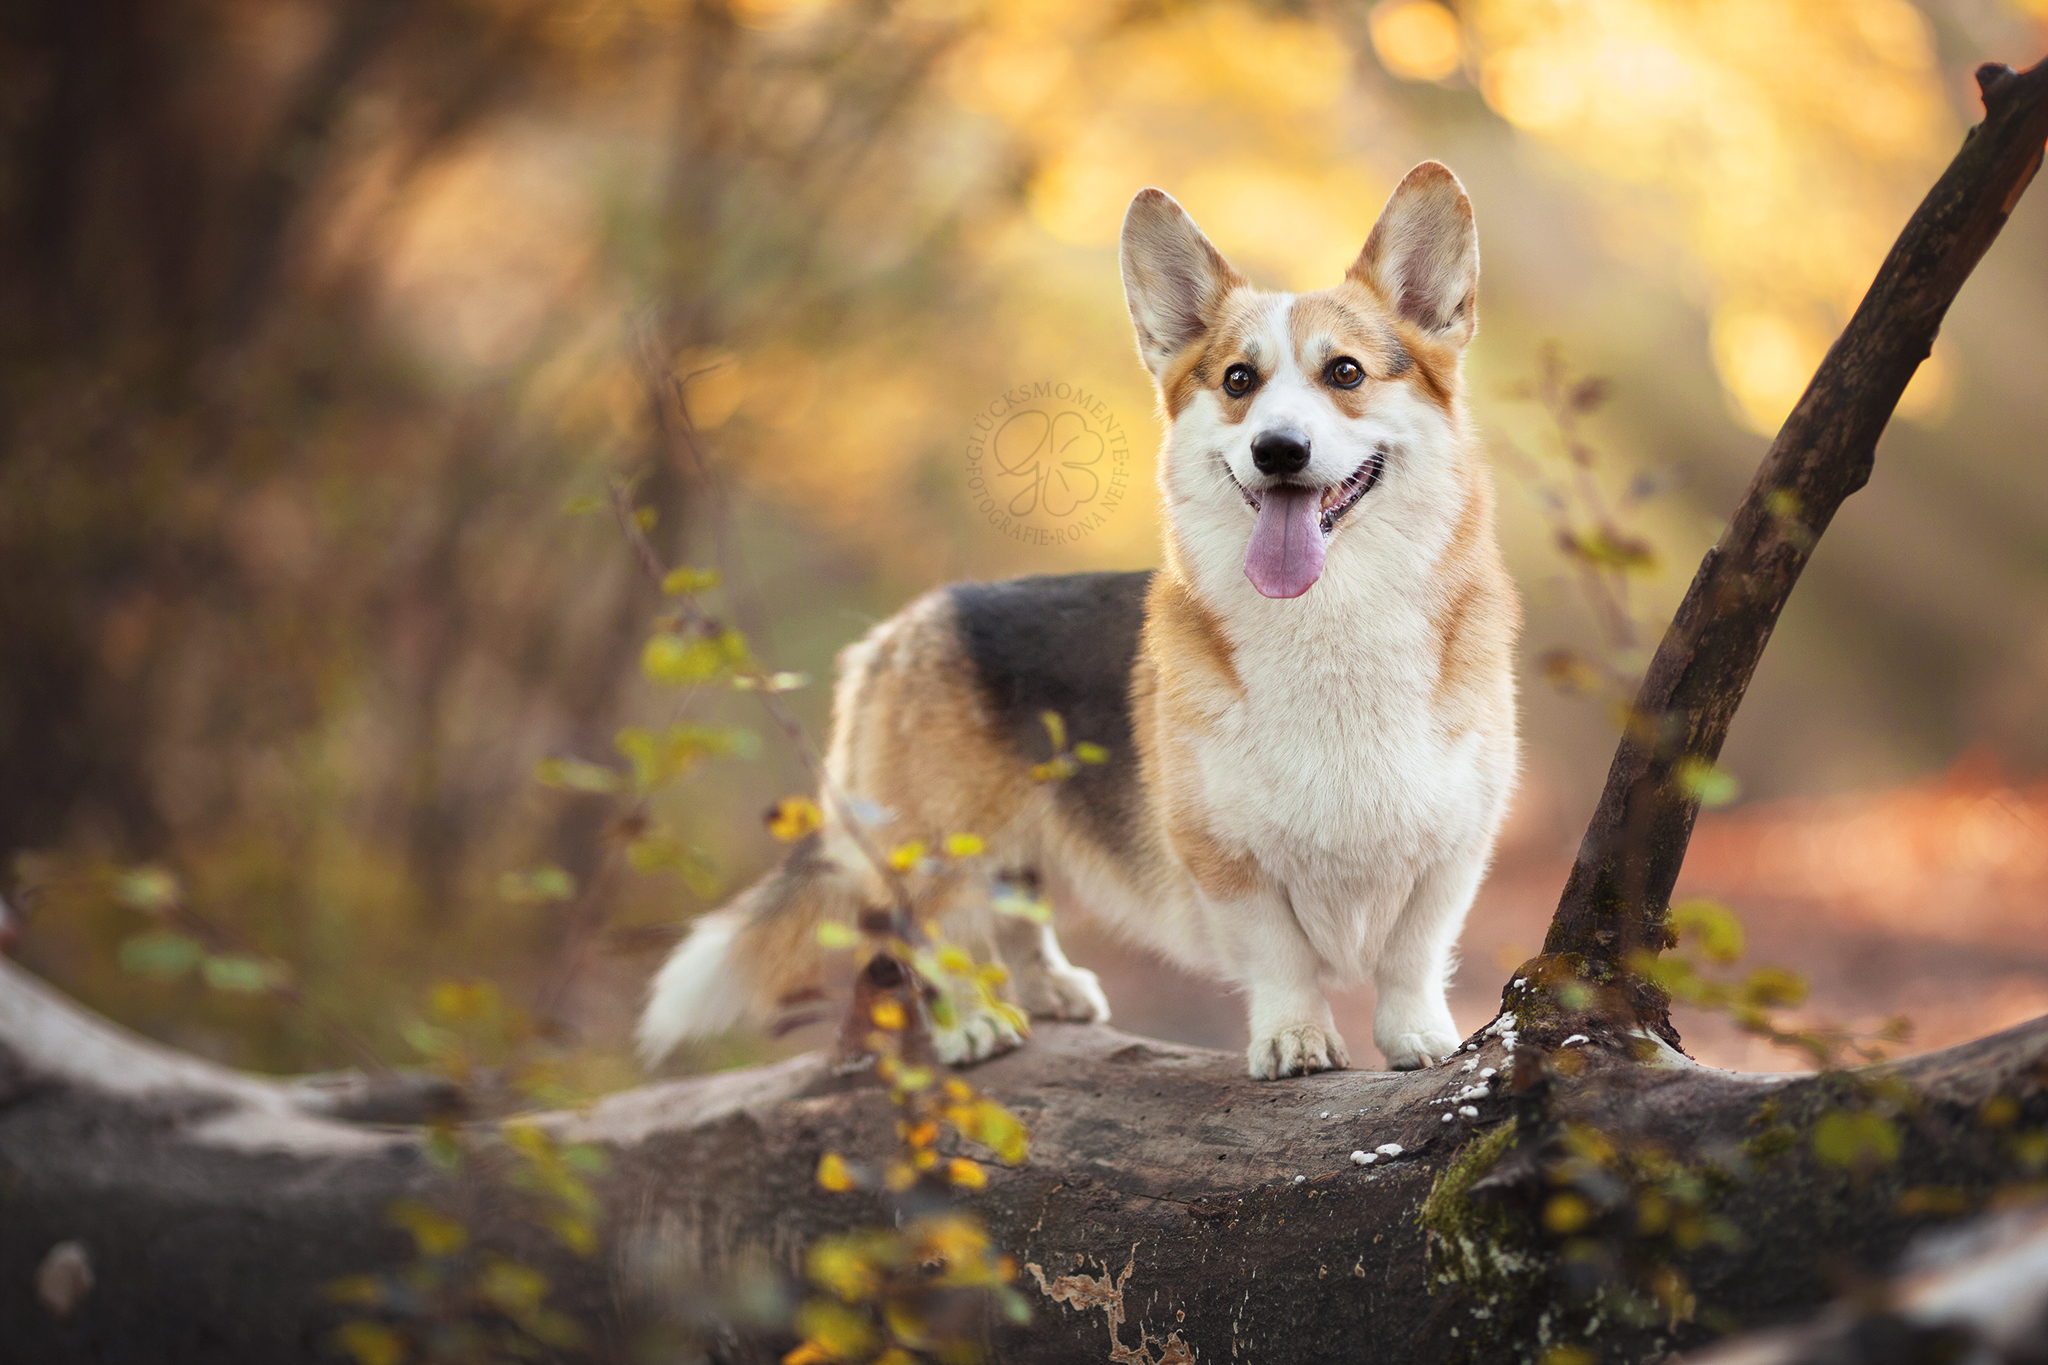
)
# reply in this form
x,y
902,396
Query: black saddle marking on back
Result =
x,y
1064,643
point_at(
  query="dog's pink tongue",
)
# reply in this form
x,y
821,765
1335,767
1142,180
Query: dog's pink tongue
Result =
x,y
1285,557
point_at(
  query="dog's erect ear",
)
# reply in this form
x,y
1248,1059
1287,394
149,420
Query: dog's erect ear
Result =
x,y
1173,277
1423,255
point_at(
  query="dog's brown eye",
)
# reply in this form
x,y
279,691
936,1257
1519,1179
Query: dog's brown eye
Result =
x,y
1238,380
1343,372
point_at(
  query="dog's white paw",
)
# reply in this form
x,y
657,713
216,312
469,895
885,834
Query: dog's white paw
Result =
x,y
1414,1050
1296,1050
977,1035
1062,993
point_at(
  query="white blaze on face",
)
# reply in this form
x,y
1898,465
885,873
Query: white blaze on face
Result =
x,y
1284,556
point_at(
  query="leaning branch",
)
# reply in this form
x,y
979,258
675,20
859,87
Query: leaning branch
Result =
x,y
1615,899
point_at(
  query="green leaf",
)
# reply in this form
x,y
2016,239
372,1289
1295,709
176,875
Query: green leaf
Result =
x,y
237,973
1055,728
1089,752
537,884
833,934
1717,929
576,775
1774,988
1011,901
152,890
161,952
429,1041
680,661
659,758
1705,783
1855,1138
774,682
587,1159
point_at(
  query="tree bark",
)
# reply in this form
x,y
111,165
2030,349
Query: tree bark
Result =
x,y
1616,896
155,1207
1171,1210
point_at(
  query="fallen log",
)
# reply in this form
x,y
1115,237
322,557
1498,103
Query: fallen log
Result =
x,y
1171,1210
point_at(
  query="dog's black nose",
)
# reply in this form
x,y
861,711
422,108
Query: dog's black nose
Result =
x,y
1280,452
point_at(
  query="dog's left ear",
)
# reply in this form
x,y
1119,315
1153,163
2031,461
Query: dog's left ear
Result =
x,y
1423,255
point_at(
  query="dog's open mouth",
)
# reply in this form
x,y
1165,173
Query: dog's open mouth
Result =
x,y
1285,556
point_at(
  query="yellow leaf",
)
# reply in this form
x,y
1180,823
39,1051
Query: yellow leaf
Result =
x,y
905,856
362,1289
840,1332
433,1233
461,1001
900,1176
1566,1213
966,1174
677,582
832,934
795,817
887,1014
679,660
575,775
835,1175
1055,728
1853,1138
840,1265
1089,752
371,1343
965,846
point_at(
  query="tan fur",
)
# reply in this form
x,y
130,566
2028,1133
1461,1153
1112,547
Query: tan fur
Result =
x,y
917,740
1478,618
1229,342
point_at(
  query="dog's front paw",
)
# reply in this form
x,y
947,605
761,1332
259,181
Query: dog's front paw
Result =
x,y
1296,1050
1415,1050
977,1034
1063,993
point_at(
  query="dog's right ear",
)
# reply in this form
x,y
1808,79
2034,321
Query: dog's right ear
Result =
x,y
1173,277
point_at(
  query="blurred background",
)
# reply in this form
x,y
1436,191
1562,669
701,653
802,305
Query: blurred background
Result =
x,y
325,326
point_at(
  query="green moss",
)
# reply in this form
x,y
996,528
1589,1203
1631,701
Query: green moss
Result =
x,y
1475,1244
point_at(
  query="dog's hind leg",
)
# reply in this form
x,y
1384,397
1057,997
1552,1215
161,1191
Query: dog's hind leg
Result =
x,y
1042,982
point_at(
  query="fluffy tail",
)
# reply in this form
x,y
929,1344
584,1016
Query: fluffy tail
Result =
x,y
742,958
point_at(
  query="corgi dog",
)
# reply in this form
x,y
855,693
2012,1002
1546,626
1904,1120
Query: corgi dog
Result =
x,y
1309,709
